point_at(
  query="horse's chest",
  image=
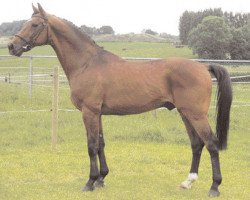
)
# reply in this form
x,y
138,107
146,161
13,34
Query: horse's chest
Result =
x,y
76,101
86,96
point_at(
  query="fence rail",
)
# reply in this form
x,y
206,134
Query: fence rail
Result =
x,y
36,77
136,58
51,79
30,77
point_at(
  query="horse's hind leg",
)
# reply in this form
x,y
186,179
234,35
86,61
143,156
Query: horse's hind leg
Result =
x,y
197,145
201,126
102,159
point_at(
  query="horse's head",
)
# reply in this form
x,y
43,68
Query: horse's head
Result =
x,y
33,33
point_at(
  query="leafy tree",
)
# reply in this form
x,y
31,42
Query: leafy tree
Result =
x,y
106,30
185,26
211,38
89,30
246,35
190,20
11,28
237,45
150,32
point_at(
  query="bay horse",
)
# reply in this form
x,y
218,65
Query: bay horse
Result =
x,y
102,83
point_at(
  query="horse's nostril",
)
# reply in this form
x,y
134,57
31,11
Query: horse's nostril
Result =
x,y
10,46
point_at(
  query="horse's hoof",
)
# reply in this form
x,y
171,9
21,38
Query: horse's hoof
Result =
x,y
186,185
88,188
213,193
99,183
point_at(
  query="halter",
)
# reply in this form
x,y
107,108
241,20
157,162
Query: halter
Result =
x,y
30,44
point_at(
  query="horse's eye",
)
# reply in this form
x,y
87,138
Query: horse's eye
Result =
x,y
34,25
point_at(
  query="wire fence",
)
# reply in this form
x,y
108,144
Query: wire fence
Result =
x,y
38,70
32,79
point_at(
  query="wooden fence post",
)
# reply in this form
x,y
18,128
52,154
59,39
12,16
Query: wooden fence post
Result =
x,y
55,108
9,78
30,77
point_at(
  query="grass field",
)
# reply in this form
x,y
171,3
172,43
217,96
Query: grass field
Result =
x,y
148,156
127,49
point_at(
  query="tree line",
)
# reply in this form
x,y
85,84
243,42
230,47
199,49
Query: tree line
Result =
x,y
11,28
92,31
215,34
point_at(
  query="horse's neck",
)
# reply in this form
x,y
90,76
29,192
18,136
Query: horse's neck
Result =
x,y
73,49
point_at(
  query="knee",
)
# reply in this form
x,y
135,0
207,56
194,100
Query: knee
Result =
x,y
102,143
212,145
92,149
197,147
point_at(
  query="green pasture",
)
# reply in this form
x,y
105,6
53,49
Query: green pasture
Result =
x,y
127,49
148,154
124,49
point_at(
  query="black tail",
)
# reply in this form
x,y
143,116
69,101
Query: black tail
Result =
x,y
224,101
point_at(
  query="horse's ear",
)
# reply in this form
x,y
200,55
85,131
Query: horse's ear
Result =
x,y
36,11
41,10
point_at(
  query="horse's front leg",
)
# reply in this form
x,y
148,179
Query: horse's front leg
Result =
x,y
91,121
104,170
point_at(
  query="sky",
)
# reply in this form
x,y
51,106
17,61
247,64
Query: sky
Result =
x,y
125,16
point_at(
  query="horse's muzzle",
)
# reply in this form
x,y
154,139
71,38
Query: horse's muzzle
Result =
x,y
16,50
